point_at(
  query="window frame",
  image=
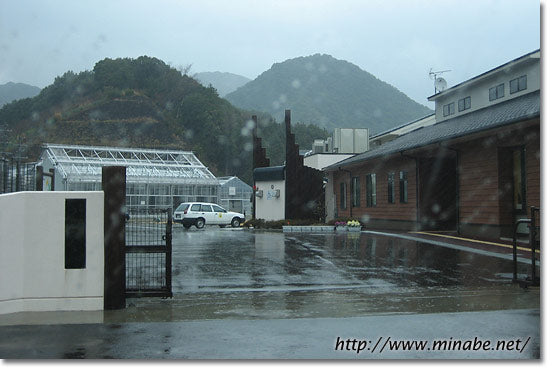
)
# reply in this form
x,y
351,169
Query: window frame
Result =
x,y
371,190
391,187
496,95
403,186
449,109
517,82
463,102
355,192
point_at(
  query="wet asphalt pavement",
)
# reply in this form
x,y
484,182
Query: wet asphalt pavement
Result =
x,y
251,294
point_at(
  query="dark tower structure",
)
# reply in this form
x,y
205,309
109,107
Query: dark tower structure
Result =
x,y
259,153
305,195
259,157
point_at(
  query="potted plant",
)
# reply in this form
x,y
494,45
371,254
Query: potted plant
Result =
x,y
354,226
340,226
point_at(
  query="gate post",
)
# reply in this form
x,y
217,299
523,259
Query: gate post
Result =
x,y
39,178
168,250
114,186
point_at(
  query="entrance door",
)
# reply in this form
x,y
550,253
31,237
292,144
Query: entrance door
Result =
x,y
438,193
512,189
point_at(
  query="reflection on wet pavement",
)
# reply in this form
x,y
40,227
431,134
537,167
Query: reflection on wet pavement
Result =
x,y
241,274
247,274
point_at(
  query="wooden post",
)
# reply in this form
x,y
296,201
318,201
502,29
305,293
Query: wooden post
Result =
x,y
39,178
114,186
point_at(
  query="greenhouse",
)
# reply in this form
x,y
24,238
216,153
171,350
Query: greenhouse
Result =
x,y
235,195
155,178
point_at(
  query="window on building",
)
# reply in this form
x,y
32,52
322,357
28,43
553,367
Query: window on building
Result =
x,y
449,109
391,188
464,104
371,190
355,191
496,92
343,195
518,84
403,186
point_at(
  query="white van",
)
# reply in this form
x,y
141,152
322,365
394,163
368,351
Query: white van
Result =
x,y
202,213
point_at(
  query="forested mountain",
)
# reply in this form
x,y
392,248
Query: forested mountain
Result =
x,y
12,91
331,93
223,82
142,103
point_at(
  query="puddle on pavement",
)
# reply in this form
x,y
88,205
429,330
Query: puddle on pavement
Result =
x,y
219,274
262,275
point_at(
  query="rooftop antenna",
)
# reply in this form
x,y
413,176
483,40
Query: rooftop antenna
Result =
x,y
440,84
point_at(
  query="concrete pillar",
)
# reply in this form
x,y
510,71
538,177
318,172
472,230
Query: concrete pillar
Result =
x,y
114,186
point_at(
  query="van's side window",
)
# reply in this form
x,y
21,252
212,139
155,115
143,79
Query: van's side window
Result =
x,y
195,207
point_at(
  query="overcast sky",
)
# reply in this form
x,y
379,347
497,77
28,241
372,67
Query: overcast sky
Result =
x,y
398,41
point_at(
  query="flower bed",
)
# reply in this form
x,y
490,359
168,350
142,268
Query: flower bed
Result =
x,y
350,226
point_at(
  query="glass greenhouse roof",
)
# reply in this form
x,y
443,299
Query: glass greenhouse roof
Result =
x,y
84,163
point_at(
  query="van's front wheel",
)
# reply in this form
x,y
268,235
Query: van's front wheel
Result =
x,y
235,222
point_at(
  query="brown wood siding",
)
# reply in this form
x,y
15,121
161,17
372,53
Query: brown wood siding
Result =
x,y
383,209
485,175
533,169
478,184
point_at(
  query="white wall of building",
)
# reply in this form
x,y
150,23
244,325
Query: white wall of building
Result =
x,y
330,198
479,87
269,207
320,161
32,272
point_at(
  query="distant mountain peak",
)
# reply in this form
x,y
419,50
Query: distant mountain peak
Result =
x,y
223,82
329,92
14,91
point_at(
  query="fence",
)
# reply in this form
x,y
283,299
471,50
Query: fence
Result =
x,y
16,176
148,253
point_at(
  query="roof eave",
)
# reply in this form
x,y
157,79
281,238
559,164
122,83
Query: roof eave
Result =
x,y
341,164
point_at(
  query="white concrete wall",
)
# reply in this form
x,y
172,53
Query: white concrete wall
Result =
x,y
320,161
330,198
32,272
478,90
268,207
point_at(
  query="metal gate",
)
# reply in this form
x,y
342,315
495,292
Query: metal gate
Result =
x,y
148,253
16,176
534,224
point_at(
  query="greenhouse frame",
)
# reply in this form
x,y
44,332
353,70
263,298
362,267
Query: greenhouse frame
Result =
x,y
235,195
156,179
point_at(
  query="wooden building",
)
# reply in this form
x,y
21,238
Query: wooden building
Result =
x,y
475,171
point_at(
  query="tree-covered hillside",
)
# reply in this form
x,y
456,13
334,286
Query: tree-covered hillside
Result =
x,y
140,103
328,92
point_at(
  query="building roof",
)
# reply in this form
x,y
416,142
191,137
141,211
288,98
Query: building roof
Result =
x,y
84,163
269,173
224,180
407,127
510,111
